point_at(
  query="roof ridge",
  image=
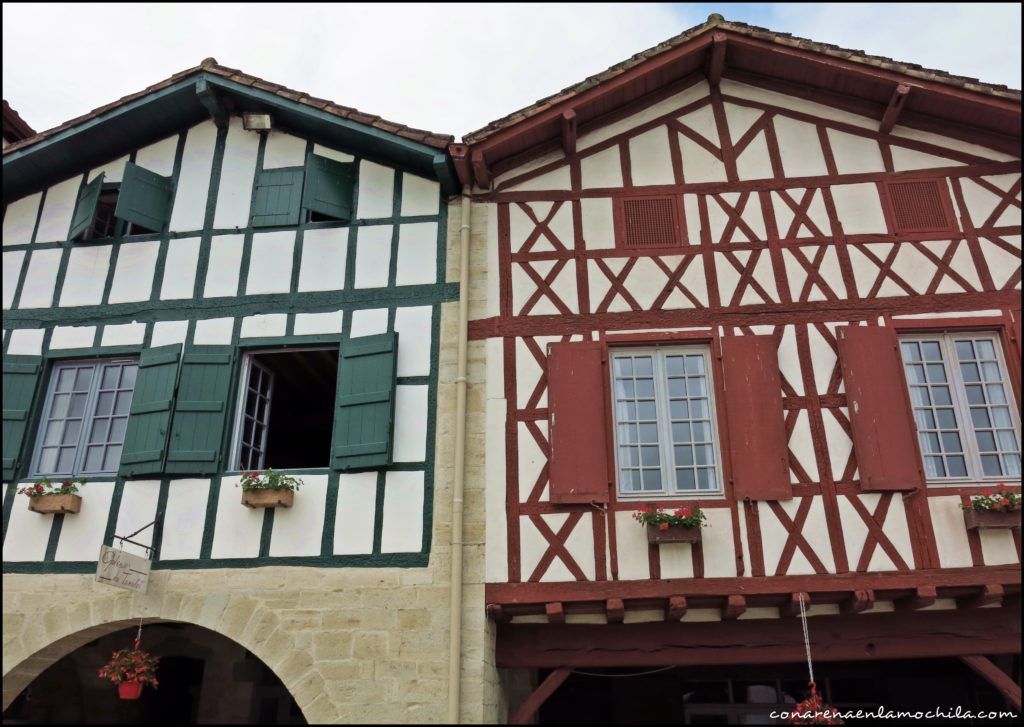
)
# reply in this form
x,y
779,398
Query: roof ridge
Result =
x,y
210,65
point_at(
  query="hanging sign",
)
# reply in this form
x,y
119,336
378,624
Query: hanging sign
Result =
x,y
122,570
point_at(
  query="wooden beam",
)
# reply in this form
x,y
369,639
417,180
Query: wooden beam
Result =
x,y
555,613
892,111
859,602
480,171
983,667
460,158
616,610
923,597
716,59
891,635
524,593
496,612
990,595
569,126
734,606
212,103
792,607
676,608
540,695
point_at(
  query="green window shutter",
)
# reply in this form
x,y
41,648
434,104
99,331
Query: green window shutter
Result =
x,y
329,186
85,207
278,197
145,198
145,440
365,411
21,377
200,410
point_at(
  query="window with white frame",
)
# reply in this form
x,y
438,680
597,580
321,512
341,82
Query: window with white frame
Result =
x,y
285,413
84,418
665,433
967,424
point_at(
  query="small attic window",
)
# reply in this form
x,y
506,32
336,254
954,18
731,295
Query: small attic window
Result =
x,y
648,222
320,191
920,205
139,204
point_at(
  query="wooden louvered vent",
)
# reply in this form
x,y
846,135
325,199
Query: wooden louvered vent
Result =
x,y
649,222
920,206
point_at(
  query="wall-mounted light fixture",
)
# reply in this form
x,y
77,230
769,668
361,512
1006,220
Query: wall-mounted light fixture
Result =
x,y
257,122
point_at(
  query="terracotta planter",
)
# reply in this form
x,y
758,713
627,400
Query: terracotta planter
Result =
x,y
673,535
129,690
268,497
985,519
55,504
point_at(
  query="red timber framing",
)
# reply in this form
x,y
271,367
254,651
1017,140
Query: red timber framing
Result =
x,y
799,275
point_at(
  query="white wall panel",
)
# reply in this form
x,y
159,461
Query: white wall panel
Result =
x,y
414,328
27,532
314,323
185,519
222,270
403,513
417,254
323,259
193,186
354,519
419,196
411,410
82,534
20,220
86,275
58,207
12,272
159,156
125,334
376,191
298,530
38,290
133,276
238,529
180,269
72,337
373,256
167,332
236,176
26,342
138,508
284,150
213,332
270,264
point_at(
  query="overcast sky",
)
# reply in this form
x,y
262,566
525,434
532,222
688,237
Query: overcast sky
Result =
x,y
446,68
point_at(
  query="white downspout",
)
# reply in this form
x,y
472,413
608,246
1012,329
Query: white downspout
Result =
x,y
455,602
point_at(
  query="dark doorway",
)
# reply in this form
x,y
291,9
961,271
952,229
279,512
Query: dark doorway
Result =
x,y
204,678
748,694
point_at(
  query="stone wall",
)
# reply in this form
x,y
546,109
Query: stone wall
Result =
x,y
350,644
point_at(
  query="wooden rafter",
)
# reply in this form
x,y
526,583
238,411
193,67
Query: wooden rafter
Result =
x,y
480,170
716,59
895,107
569,126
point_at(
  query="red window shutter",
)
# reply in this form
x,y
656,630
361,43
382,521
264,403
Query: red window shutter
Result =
x,y
884,434
576,423
757,426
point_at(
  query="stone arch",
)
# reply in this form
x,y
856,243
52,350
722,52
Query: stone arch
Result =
x,y
45,635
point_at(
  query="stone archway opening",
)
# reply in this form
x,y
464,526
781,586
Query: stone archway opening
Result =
x,y
205,678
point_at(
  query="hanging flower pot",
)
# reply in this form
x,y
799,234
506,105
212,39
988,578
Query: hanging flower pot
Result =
x,y
814,711
268,489
129,690
53,499
131,669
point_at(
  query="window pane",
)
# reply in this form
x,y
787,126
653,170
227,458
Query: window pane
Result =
x,y
674,366
681,432
53,432
990,372
128,372
629,480
699,409
986,442
701,431
623,366
652,479
646,410
980,417
648,433
911,351
627,434
83,378
77,405
685,480
930,442
946,418
642,366
1011,464
112,458
940,395
931,351
696,387
933,467
105,403
984,349
915,374
48,459
110,377
66,459
695,364
951,442
628,457
72,431
65,380
623,389
704,453
957,466
684,456
99,430
124,400
706,478
964,350
679,410
59,410
93,458
990,465
676,388
117,429
919,396
969,372
936,373
975,394
996,394
645,388
649,457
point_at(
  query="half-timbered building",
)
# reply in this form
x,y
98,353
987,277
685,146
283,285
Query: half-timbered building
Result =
x,y
777,281
213,276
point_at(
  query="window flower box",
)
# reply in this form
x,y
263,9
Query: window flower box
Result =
x,y
268,489
993,510
673,534
48,498
682,525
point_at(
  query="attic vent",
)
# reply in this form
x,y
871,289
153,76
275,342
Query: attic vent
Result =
x,y
649,222
920,206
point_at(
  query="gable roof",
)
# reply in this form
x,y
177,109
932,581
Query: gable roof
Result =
x,y
187,97
853,79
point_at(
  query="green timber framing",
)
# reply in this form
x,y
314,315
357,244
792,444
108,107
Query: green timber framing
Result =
x,y
346,301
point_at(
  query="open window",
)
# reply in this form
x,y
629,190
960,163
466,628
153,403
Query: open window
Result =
x,y
137,205
320,191
285,409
